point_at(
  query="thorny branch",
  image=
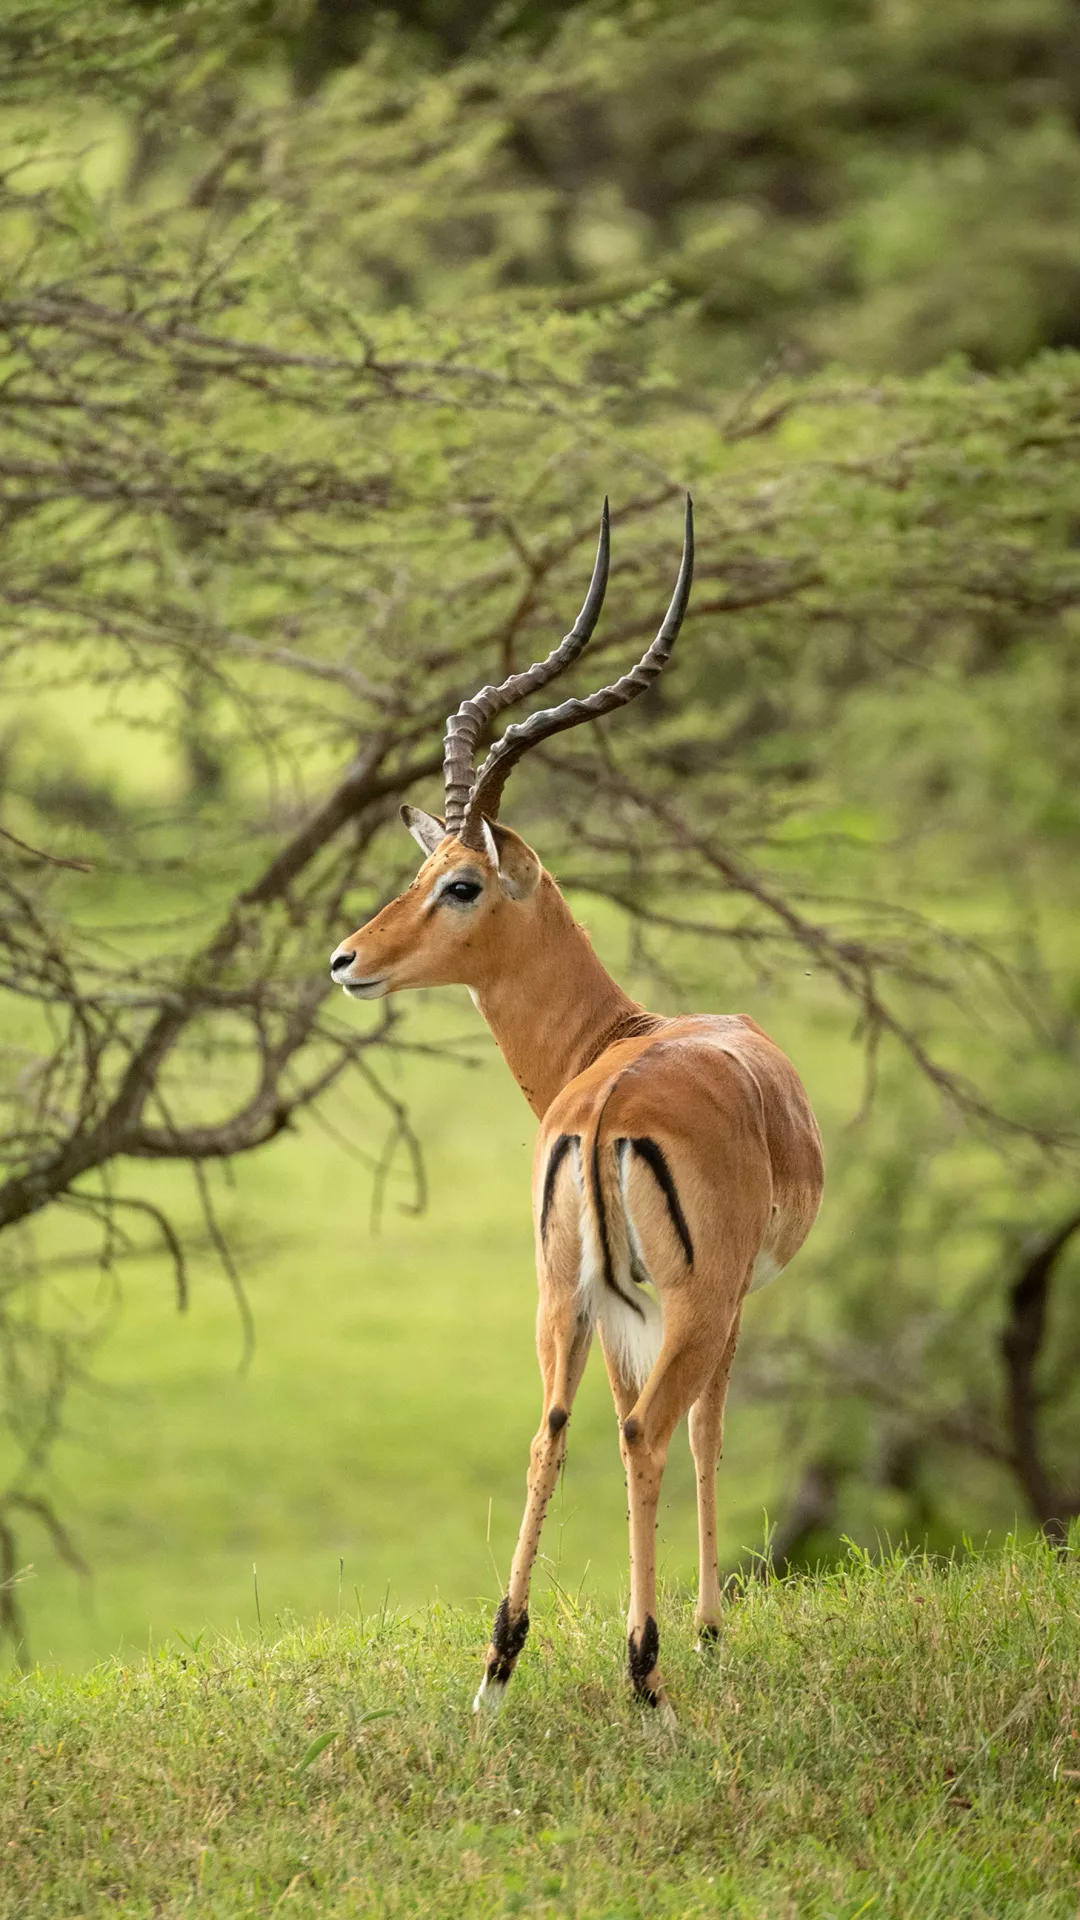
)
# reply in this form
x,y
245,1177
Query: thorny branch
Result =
x,y
1006,1431
854,964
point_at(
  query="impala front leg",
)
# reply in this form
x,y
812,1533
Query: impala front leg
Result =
x,y
563,1341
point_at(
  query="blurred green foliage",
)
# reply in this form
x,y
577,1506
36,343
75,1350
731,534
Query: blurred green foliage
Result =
x,y
320,347
879,184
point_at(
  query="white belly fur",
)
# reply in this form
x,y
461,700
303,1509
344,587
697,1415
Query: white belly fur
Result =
x,y
764,1269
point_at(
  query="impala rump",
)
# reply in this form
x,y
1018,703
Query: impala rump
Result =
x,y
654,1158
616,1288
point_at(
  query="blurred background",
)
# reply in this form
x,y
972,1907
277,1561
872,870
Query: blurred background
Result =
x,y
324,329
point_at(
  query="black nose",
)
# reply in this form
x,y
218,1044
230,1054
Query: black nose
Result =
x,y
340,961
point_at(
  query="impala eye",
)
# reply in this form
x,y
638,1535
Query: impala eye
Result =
x,y
461,891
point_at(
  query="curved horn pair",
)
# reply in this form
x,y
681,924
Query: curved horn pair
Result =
x,y
469,797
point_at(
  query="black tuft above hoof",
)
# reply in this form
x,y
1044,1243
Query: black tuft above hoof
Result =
x,y
557,1419
507,1639
632,1429
644,1651
708,1635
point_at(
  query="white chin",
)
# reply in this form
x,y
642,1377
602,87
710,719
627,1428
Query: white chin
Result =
x,y
366,989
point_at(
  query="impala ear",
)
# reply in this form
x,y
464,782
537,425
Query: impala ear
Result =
x,y
515,863
427,829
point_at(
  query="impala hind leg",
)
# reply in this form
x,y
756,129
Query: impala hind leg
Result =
x,y
563,1338
683,1370
706,1445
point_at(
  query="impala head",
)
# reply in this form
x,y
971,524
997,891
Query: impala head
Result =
x,y
472,896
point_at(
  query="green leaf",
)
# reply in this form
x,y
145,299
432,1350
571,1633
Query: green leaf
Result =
x,y
317,1746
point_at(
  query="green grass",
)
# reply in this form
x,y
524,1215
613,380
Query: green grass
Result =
x,y
882,1740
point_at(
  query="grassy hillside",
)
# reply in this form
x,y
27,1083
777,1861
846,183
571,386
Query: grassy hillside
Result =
x,y
897,1740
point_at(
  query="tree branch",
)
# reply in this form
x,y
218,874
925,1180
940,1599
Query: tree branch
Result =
x,y
1051,1504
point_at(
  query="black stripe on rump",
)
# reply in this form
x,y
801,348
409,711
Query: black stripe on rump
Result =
x,y
653,1157
558,1154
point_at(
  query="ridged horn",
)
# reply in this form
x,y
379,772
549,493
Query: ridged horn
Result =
x,y
463,729
517,740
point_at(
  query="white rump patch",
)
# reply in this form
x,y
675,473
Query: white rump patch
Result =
x,y
635,1341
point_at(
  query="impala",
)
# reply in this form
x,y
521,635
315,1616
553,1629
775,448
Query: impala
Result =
x,y
678,1163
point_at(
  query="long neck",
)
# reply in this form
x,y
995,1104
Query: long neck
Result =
x,y
551,1005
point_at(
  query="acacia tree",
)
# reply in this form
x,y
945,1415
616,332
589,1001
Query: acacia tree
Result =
x,y
269,535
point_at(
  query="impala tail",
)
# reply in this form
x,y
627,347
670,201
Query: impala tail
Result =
x,y
615,1270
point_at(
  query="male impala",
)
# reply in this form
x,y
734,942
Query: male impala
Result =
x,y
678,1155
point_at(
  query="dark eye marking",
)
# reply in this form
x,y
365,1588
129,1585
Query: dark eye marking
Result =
x,y
461,892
